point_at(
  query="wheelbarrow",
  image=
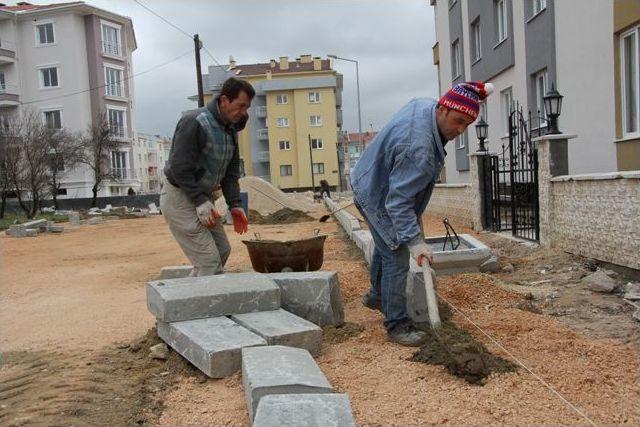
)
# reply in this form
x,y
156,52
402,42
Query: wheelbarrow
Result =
x,y
275,256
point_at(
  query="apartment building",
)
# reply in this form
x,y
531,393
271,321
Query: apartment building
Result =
x,y
69,62
150,153
294,121
587,49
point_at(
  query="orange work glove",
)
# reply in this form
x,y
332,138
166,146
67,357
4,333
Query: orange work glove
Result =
x,y
240,221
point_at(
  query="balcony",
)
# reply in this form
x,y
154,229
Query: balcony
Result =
x,y
112,49
262,156
7,52
9,96
118,132
123,174
261,112
263,134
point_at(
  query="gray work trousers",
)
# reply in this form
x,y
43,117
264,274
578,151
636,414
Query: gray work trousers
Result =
x,y
207,249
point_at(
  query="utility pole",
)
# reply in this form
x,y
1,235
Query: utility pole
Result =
x,y
198,45
313,180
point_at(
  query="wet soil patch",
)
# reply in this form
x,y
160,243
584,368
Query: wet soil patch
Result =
x,y
461,354
283,216
340,334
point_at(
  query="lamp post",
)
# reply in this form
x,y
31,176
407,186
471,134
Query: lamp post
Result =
x,y
358,91
553,107
482,130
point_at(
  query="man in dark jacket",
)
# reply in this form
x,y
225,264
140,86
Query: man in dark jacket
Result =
x,y
203,164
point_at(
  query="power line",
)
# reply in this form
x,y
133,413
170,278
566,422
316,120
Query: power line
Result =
x,y
181,30
165,20
129,77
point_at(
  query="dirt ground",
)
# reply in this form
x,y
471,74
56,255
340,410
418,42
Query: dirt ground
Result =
x,y
76,333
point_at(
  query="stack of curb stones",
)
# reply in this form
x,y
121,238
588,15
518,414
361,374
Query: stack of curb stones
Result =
x,y
33,228
268,325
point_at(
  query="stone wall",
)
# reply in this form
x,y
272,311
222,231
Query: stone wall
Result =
x,y
597,216
454,201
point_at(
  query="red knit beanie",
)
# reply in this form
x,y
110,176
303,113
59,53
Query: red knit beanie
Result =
x,y
465,97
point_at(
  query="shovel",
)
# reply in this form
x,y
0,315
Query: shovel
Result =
x,y
432,301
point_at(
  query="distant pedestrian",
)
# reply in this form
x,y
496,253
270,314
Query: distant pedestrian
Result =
x,y
392,183
324,188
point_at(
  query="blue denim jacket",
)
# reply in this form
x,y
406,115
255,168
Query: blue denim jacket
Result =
x,y
394,177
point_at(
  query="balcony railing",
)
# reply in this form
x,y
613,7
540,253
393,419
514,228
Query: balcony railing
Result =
x,y
112,48
123,173
118,132
263,134
261,112
9,95
262,156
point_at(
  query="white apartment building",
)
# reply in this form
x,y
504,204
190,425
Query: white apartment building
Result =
x,y
588,49
70,62
150,154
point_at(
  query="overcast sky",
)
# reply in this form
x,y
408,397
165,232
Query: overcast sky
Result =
x,y
391,39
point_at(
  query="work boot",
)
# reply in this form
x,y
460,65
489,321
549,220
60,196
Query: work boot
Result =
x,y
372,302
406,334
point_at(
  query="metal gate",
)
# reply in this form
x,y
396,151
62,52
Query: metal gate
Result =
x,y
513,195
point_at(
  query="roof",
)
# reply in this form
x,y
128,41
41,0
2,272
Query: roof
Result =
x,y
294,67
366,136
26,6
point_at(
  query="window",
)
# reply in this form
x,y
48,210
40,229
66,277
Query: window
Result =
x,y
501,20
506,106
3,86
539,90
539,6
316,144
44,34
282,122
53,119
119,164
111,40
61,191
285,145
629,53
117,124
282,99
318,168
315,120
455,60
114,83
49,77
314,97
476,43
461,141
286,170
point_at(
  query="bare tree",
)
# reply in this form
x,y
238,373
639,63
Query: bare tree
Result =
x,y
65,152
9,163
28,160
98,144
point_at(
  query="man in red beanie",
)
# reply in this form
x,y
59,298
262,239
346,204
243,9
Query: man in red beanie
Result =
x,y
392,183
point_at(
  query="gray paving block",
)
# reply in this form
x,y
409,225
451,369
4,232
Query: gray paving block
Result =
x,y
417,307
191,298
175,272
314,296
212,345
279,370
279,327
304,410
16,230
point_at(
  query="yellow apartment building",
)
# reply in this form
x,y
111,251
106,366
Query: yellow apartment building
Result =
x,y
294,120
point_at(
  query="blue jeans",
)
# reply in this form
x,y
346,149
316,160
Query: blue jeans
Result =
x,y
389,269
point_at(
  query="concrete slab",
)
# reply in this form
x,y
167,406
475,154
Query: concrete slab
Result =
x,y
417,307
304,410
74,218
314,296
211,296
32,232
35,223
279,327
16,230
212,345
175,272
279,370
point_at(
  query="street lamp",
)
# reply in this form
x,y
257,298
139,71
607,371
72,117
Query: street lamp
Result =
x,y
553,107
358,91
482,131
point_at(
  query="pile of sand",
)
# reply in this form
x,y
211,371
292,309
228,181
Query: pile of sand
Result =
x,y
266,199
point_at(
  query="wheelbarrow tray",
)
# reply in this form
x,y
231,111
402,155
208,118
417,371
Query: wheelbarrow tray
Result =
x,y
275,256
